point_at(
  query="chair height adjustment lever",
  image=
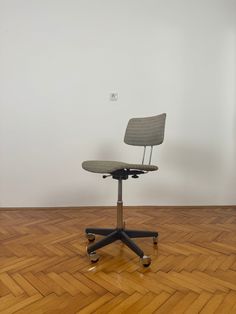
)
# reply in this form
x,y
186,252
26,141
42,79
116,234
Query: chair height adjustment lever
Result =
x,y
135,176
106,175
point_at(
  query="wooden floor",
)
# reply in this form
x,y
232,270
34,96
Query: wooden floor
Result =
x,y
44,268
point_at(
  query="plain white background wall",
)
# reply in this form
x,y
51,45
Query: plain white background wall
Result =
x,y
59,60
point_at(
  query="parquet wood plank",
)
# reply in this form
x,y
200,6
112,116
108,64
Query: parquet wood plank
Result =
x,y
92,307
199,303
122,284
138,306
227,304
43,284
168,305
199,282
13,287
213,304
19,264
3,290
90,284
184,303
64,284
9,300
21,304
44,267
110,286
76,283
43,305
126,303
111,304
24,284
156,302
221,283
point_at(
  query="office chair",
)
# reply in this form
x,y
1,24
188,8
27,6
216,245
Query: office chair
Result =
x,y
148,131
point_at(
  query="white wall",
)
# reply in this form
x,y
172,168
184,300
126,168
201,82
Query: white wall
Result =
x,y
59,60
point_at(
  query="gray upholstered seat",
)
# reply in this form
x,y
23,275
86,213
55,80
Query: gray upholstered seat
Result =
x,y
106,166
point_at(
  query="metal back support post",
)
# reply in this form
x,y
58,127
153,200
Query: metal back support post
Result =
x,y
150,155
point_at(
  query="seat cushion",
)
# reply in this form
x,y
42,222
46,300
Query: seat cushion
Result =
x,y
106,166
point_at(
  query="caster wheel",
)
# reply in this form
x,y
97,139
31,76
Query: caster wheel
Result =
x,y
90,237
146,261
155,240
94,257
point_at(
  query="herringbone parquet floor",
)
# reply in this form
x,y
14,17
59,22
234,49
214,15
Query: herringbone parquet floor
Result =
x,y
44,268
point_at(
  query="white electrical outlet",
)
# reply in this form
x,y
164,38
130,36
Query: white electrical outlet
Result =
x,y
113,96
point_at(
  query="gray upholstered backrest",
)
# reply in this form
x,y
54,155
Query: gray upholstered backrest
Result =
x,y
147,131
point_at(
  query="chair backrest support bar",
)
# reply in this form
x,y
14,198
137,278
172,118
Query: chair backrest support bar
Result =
x,y
150,156
144,153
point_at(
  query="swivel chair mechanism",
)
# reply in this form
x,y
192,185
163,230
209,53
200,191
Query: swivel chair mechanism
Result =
x,y
148,131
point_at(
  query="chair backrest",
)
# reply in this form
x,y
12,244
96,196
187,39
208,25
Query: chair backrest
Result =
x,y
148,131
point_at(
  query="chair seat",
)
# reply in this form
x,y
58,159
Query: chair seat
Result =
x,y
107,166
